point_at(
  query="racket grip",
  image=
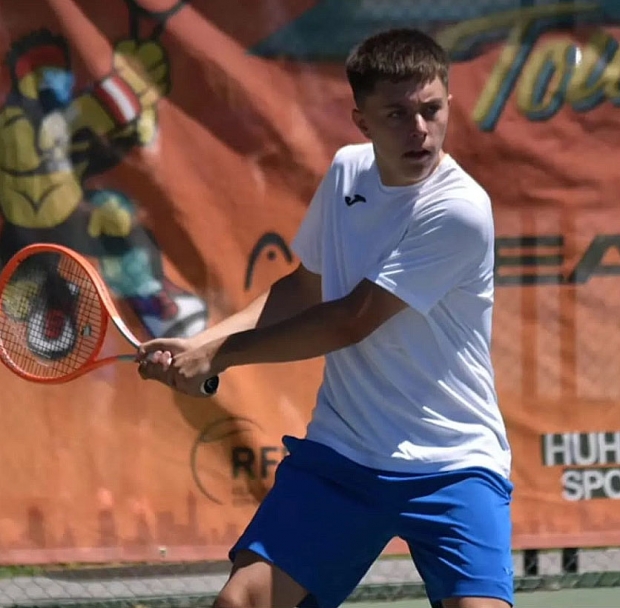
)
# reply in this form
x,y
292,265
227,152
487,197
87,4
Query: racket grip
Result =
x,y
210,385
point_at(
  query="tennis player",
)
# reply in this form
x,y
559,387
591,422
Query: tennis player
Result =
x,y
395,288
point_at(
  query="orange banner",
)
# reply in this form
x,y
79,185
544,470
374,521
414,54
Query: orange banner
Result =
x,y
177,144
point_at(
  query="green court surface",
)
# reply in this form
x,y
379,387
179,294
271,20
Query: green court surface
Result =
x,y
564,598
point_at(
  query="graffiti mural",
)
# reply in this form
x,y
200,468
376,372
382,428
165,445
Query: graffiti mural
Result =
x,y
54,139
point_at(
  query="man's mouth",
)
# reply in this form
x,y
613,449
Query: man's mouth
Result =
x,y
416,154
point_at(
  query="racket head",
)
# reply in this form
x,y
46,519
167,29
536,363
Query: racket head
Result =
x,y
54,314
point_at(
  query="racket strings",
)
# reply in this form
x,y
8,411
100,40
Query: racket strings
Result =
x,y
51,317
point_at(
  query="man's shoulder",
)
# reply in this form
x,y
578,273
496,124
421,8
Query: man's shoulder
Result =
x,y
354,155
455,198
457,183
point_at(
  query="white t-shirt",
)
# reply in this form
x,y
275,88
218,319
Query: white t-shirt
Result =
x,y
417,395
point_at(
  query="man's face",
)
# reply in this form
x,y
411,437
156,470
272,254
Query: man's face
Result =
x,y
406,122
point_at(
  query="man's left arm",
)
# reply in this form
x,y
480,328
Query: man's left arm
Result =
x,y
435,255
432,258
320,329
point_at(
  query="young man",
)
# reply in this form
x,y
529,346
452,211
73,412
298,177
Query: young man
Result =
x,y
395,288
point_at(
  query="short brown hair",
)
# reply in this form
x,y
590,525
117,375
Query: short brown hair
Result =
x,y
395,55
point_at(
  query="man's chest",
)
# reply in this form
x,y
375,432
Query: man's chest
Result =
x,y
361,230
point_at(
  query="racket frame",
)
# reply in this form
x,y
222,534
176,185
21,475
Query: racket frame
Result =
x,y
105,300
208,388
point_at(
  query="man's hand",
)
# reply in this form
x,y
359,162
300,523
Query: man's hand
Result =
x,y
155,357
179,363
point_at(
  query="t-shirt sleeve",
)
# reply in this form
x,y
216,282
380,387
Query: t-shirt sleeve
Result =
x,y
437,253
308,242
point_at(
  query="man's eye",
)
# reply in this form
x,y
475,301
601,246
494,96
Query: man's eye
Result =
x,y
431,111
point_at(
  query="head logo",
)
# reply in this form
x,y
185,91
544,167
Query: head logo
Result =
x,y
273,246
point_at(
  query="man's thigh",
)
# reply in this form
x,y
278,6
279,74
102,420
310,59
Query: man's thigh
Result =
x,y
458,528
322,534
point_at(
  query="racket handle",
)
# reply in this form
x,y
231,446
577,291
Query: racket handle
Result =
x,y
210,385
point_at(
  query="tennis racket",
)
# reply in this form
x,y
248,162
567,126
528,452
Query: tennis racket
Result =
x,y
54,314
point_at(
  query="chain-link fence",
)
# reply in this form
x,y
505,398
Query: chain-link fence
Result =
x,y
186,585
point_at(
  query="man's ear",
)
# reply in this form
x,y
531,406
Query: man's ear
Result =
x,y
360,122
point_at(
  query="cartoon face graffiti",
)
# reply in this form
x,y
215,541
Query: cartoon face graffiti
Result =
x,y
54,137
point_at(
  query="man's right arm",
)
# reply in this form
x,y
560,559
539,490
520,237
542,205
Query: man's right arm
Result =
x,y
287,297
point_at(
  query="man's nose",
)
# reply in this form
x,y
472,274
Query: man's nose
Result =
x,y
420,124
418,127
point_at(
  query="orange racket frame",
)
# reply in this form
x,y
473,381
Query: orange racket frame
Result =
x,y
107,305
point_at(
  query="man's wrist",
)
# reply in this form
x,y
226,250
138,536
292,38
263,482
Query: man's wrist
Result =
x,y
224,355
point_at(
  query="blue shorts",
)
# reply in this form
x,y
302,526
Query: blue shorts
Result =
x,y
327,519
